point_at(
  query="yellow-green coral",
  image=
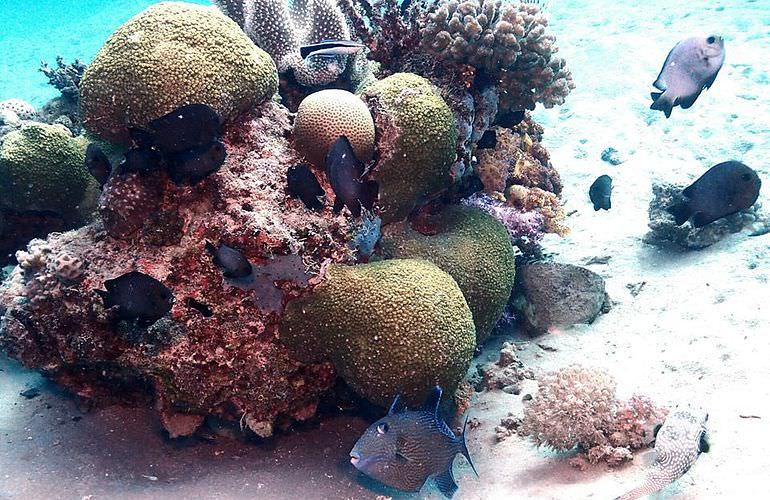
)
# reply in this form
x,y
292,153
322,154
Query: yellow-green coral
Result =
x,y
416,142
42,167
173,54
470,245
390,327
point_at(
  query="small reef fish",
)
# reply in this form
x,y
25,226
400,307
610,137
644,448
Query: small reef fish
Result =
x,y
330,48
138,297
140,160
303,184
691,66
344,171
191,126
725,189
678,444
600,192
406,447
194,164
510,119
98,164
231,261
488,140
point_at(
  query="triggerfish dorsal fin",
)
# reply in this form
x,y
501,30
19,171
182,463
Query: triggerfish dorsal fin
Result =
x,y
396,406
464,448
432,402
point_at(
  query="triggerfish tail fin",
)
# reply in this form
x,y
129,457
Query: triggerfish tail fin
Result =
x,y
681,212
464,448
661,103
446,483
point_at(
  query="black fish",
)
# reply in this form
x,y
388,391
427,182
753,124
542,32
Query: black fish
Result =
x,y
330,48
600,192
406,447
138,297
488,140
344,171
303,184
724,189
141,160
231,261
98,164
188,127
691,66
194,164
510,119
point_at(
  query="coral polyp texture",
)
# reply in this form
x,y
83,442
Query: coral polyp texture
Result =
x,y
324,116
577,406
472,247
416,142
390,327
169,55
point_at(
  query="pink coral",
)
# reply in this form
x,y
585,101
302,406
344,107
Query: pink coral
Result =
x,y
526,228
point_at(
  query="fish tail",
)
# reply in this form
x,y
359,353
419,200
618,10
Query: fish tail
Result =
x,y
656,479
661,102
681,212
464,448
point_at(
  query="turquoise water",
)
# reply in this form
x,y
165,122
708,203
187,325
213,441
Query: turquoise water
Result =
x,y
35,30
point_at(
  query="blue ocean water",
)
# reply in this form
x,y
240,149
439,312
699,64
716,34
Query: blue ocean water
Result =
x,y
35,30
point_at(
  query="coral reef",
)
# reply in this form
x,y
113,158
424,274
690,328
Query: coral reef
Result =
x,y
505,374
664,231
324,116
551,295
22,109
525,229
416,142
380,321
186,54
469,245
65,77
577,406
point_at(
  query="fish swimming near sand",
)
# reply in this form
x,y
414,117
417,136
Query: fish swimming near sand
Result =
x,y
600,192
231,261
303,184
98,164
138,297
330,48
678,444
725,189
188,127
691,66
345,171
192,165
406,447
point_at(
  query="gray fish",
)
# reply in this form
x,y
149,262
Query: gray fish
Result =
x,y
406,447
678,444
725,189
600,192
330,48
187,127
138,297
691,66
231,261
194,164
98,164
345,171
303,184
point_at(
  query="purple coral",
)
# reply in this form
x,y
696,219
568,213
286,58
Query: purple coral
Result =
x,y
525,228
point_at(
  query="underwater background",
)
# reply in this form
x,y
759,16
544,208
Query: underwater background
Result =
x,y
683,323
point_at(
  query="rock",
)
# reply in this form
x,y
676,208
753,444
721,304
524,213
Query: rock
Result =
x,y
180,424
553,295
612,156
30,393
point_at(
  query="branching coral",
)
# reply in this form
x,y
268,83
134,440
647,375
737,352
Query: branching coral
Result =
x,y
65,77
544,202
577,406
525,228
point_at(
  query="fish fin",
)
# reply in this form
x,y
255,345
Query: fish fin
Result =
x,y
338,204
396,406
661,103
432,401
596,207
660,84
370,191
688,191
464,447
703,444
687,102
710,81
681,212
700,219
446,482
355,208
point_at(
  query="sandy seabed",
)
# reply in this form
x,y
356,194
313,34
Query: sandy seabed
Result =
x,y
698,331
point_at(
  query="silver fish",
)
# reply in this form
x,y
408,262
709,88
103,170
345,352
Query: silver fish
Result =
x,y
330,48
678,444
691,66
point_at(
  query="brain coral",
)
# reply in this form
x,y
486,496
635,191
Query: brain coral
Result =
x,y
169,55
473,247
42,168
324,116
390,327
416,142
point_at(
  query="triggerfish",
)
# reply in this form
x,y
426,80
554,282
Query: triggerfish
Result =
x,y
405,447
678,444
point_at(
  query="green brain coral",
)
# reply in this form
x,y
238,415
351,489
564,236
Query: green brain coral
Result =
x,y
173,54
416,142
42,167
390,327
470,245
